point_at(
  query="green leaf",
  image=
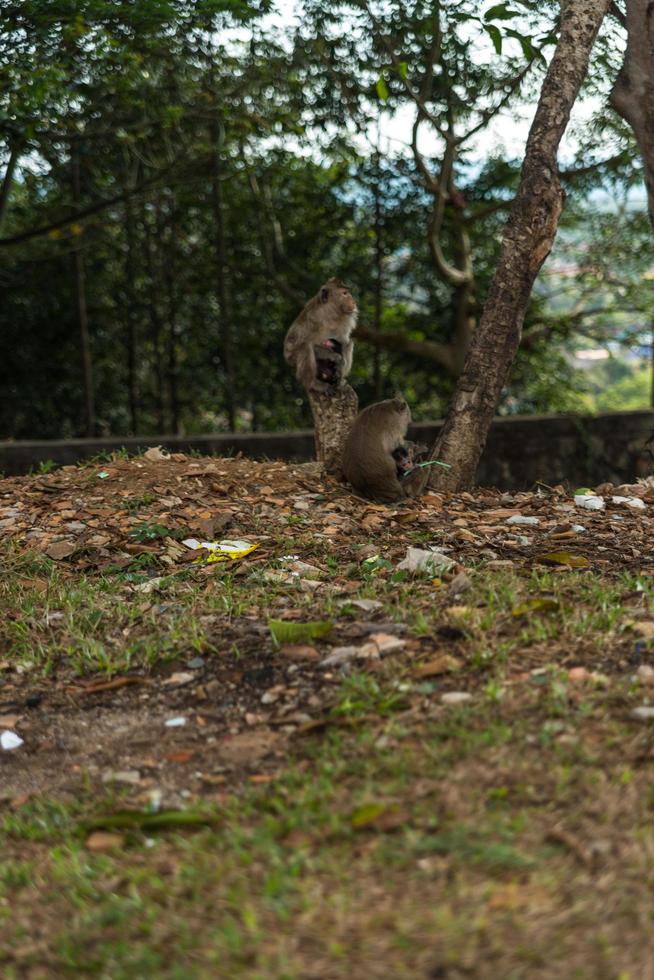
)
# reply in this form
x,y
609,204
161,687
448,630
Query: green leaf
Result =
x,y
495,36
402,69
142,820
285,632
382,89
499,12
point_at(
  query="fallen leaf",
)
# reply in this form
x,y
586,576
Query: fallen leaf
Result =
x,y
61,549
535,605
102,841
283,631
299,652
564,558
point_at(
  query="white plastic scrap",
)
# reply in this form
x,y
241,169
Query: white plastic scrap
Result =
x,y
522,519
590,501
175,722
10,740
634,502
419,560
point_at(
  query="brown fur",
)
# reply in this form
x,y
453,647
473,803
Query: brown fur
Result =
x,y
369,462
329,316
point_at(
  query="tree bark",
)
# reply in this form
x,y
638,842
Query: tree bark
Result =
x,y
82,310
225,337
7,181
132,316
632,96
528,238
155,324
333,416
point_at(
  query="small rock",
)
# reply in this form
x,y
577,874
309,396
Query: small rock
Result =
x,y
645,713
460,583
634,502
522,519
340,655
132,777
196,663
176,722
387,643
179,679
367,605
299,651
456,697
578,528
645,674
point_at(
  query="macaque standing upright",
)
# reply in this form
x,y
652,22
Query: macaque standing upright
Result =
x,y
318,343
375,453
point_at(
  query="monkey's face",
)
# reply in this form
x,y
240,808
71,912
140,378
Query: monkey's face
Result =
x,y
336,292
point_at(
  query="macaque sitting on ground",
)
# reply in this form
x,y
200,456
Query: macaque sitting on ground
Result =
x,y
375,459
324,326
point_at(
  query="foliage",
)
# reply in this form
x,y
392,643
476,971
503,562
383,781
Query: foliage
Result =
x,y
207,168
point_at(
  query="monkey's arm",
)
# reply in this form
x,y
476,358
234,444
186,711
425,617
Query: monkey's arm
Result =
x,y
347,353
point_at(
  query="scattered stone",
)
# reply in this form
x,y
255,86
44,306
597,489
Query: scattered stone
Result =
x,y
644,713
299,652
522,519
456,697
645,675
367,605
179,679
196,663
131,777
460,583
634,502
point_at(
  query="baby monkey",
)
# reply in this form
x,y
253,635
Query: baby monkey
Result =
x,y
376,459
319,341
406,457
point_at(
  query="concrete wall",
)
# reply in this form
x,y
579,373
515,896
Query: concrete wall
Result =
x,y
580,450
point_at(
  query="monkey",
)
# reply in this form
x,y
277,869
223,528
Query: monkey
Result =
x,y
326,323
375,450
329,366
406,455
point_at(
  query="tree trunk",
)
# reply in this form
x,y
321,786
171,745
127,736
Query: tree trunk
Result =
x,y
131,315
5,189
333,416
528,238
379,283
82,311
633,92
225,337
171,298
155,326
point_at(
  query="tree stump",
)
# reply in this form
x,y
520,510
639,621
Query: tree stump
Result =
x,y
333,415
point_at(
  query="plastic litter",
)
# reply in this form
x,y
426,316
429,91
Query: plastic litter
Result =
x,y
10,740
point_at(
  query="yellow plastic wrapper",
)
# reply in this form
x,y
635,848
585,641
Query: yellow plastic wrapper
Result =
x,y
220,550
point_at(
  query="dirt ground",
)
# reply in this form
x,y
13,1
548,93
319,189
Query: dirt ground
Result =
x,y
241,698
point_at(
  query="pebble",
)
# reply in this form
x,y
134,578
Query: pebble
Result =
x,y
522,519
456,697
644,713
645,674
